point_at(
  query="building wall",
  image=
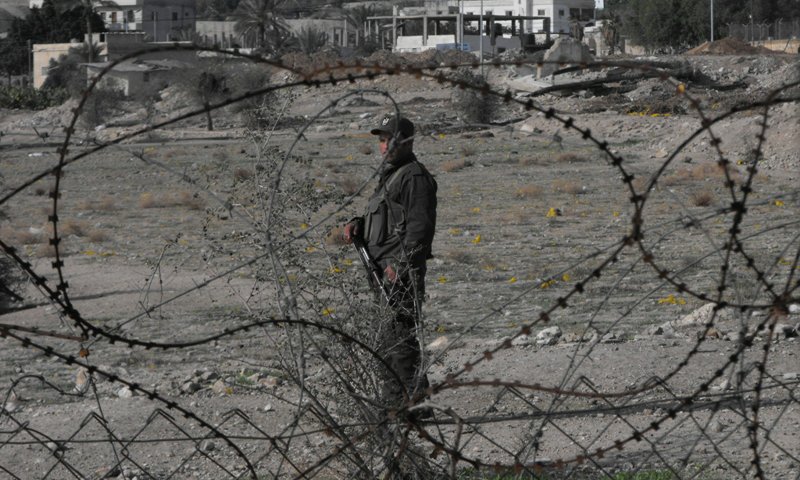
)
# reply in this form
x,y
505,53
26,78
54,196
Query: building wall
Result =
x,y
559,11
161,20
43,53
338,32
221,34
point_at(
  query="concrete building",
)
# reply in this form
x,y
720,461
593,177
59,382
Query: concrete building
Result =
x,y
222,34
560,12
114,46
415,30
162,20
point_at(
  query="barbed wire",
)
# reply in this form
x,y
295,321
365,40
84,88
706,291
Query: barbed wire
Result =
x,y
335,423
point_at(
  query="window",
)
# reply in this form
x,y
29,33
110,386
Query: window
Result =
x,y
131,16
45,71
174,16
146,77
103,16
540,12
488,12
561,12
113,17
509,12
153,16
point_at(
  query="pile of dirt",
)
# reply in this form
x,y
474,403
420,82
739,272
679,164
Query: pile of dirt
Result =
x,y
728,46
308,63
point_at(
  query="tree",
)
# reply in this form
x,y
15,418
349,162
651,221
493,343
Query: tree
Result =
x,y
87,8
259,21
67,72
48,24
311,40
358,17
661,24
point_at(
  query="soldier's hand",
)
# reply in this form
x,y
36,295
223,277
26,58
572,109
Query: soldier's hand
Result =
x,y
351,231
391,274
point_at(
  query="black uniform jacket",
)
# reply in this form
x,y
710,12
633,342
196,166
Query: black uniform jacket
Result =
x,y
401,215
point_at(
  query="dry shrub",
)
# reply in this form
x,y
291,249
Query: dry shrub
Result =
x,y
73,227
183,198
516,215
469,149
702,198
347,185
640,183
105,203
22,236
40,191
147,200
220,156
528,191
333,167
702,172
335,236
570,157
365,149
458,256
97,236
454,165
45,250
567,186
534,160
190,200
242,174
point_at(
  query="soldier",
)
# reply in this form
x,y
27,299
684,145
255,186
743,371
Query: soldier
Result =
x,y
397,229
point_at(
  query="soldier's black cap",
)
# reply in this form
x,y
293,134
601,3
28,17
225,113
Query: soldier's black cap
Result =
x,y
390,125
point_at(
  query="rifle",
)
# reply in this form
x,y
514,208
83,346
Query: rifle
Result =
x,y
374,274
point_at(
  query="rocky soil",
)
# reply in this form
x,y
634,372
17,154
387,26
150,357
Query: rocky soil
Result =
x,y
159,235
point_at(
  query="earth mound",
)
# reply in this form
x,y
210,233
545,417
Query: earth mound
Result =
x,y
728,46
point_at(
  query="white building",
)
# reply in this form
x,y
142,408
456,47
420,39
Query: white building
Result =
x,y
561,12
161,20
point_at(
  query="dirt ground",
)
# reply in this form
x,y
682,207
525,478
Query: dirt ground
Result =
x,y
165,240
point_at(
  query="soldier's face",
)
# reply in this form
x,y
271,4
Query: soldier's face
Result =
x,y
384,143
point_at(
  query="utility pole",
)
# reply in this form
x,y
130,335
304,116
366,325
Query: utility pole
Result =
x,y
480,38
712,21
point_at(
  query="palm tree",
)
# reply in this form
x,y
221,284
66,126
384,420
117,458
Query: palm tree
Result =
x,y
88,10
259,20
311,40
358,17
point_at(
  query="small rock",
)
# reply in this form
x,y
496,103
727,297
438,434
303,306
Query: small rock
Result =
x,y
794,308
125,392
254,378
522,341
269,381
82,379
548,336
791,376
785,331
701,316
190,387
439,344
268,407
611,337
715,426
208,376
219,387
208,446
